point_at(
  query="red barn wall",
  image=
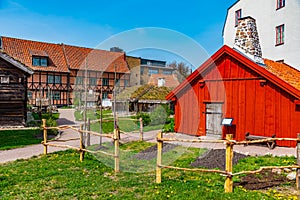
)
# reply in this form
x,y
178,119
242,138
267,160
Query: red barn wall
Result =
x,y
257,105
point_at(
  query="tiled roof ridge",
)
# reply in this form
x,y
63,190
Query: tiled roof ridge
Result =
x,y
282,63
60,44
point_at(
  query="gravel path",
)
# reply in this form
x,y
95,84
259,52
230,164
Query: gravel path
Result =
x,y
67,118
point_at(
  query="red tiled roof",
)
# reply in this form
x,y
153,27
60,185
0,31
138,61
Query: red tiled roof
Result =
x,y
170,80
64,57
284,71
22,50
96,59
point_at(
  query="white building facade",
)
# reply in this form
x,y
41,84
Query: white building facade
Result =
x,y
278,26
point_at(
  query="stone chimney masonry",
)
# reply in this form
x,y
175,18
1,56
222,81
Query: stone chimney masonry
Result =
x,y
247,40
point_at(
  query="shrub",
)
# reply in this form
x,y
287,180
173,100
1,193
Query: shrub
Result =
x,y
144,116
169,126
158,116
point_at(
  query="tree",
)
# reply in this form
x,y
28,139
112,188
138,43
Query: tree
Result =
x,y
182,69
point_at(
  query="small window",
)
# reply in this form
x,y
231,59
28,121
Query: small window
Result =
x,y
280,4
79,80
126,82
29,95
238,15
167,72
50,79
57,79
40,61
280,35
105,81
56,96
93,81
104,95
5,79
153,71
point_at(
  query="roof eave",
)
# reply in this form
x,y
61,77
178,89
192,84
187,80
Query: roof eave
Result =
x,y
16,63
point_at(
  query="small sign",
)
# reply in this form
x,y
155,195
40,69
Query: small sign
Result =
x,y
227,121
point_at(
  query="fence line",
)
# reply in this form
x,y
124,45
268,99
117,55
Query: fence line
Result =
x,y
82,149
228,186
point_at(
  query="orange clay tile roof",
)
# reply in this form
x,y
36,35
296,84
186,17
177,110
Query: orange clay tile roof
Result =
x,y
22,50
63,57
284,72
170,80
95,59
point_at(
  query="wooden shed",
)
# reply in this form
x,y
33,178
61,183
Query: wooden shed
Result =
x,y
13,91
262,99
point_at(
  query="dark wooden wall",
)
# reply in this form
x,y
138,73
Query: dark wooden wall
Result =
x,y
12,96
257,105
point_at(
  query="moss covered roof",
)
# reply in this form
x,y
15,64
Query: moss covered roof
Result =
x,y
145,92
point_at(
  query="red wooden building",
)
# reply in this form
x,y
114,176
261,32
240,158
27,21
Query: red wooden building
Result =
x,y
262,99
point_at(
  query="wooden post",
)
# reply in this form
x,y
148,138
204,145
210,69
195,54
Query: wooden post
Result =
x,y
159,157
45,136
141,129
229,155
117,149
298,163
81,143
88,140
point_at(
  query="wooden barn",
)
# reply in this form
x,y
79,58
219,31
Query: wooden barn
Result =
x,y
13,91
263,99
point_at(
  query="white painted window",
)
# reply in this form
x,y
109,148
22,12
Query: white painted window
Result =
x,y
5,79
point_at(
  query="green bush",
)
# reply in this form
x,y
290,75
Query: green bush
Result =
x,y
169,126
51,122
158,116
144,116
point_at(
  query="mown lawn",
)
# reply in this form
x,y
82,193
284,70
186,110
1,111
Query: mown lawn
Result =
x,y
10,139
62,176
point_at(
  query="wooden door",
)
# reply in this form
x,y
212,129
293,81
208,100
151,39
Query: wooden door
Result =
x,y
213,119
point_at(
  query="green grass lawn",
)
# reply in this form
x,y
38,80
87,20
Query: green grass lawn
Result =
x,y
15,138
62,176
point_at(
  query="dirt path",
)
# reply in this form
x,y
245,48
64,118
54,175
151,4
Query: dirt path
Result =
x,y
67,118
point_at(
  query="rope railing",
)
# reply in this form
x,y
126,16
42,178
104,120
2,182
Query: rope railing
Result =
x,y
229,142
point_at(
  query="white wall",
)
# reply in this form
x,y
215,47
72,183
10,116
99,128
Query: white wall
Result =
x,y
267,18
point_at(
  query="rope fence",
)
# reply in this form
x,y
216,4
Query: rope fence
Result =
x,y
229,142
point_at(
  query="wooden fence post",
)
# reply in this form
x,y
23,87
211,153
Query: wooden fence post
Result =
x,y
298,163
81,143
45,136
88,140
159,157
141,129
117,149
229,155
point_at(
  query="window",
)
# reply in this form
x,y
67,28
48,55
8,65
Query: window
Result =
x,y
56,96
50,79
5,79
79,80
126,82
280,35
40,61
167,72
93,81
29,95
57,79
238,15
105,81
280,4
153,71
104,95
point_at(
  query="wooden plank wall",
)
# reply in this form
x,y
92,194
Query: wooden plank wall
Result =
x,y
257,105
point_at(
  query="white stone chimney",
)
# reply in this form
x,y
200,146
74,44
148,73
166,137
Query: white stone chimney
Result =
x,y
247,40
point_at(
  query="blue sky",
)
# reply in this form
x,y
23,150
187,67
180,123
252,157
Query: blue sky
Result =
x,y
89,23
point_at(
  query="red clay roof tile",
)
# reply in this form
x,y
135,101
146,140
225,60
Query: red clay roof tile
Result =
x,y
64,57
284,72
